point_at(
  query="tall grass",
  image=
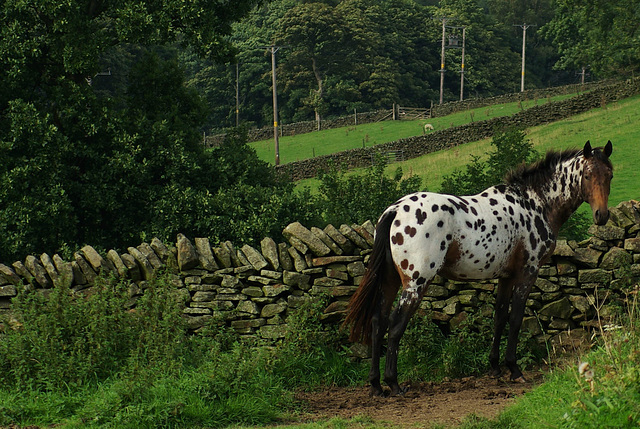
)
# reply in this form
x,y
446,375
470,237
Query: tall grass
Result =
x,y
82,359
76,361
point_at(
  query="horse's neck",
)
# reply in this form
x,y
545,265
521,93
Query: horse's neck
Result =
x,y
562,195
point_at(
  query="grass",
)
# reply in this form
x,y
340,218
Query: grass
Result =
x,y
303,146
616,122
604,395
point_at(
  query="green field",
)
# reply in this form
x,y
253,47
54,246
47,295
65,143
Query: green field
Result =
x,y
309,145
617,122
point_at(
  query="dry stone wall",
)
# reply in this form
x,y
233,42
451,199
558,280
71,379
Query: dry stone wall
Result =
x,y
413,147
530,94
257,134
254,289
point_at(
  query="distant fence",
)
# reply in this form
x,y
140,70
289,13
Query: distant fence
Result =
x,y
303,127
413,147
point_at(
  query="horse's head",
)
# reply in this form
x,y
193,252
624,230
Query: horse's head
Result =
x,y
596,180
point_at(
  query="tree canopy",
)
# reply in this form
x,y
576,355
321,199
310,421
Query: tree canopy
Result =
x,y
103,104
337,56
602,35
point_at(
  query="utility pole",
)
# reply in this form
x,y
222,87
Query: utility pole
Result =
x,y
274,49
524,38
453,43
444,22
237,95
464,32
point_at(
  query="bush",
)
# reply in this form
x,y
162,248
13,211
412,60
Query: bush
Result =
x,y
84,357
312,353
421,349
511,150
351,198
111,171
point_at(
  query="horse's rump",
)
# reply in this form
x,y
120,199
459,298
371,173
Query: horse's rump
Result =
x,y
375,284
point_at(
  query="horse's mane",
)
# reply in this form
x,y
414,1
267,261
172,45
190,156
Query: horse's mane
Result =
x,y
540,171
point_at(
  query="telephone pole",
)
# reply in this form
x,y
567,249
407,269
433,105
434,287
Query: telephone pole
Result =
x,y
237,94
444,22
464,34
274,49
524,38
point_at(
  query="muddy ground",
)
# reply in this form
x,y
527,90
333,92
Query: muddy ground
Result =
x,y
446,403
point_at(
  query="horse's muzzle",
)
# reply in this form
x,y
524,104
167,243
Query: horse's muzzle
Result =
x,y
600,217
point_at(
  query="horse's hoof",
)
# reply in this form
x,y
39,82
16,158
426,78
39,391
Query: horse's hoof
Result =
x,y
495,373
519,380
399,391
376,391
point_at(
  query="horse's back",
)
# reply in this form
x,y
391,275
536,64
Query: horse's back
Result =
x,y
469,237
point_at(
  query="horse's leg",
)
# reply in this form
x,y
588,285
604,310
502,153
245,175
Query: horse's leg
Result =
x,y
408,304
505,289
379,325
520,295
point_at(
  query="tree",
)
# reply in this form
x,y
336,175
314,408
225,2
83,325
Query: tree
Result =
x,y
600,34
321,41
71,155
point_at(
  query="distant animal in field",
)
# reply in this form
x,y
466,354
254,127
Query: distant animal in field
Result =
x,y
505,232
428,127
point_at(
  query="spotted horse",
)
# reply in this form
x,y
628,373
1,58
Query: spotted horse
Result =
x,y
505,232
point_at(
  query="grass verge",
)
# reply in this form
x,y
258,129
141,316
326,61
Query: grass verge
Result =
x,y
309,145
615,122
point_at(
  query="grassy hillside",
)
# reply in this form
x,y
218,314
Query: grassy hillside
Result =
x,y
616,122
303,146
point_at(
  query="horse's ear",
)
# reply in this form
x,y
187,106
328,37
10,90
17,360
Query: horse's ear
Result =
x,y
587,149
608,149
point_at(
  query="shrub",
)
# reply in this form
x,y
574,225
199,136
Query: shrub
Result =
x,y
71,339
421,348
353,198
511,149
312,353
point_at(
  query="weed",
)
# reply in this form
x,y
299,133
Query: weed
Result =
x,y
312,353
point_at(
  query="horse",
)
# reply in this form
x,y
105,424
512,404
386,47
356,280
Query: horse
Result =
x,y
506,232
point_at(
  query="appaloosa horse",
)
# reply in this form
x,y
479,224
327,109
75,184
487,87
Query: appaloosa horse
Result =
x,y
505,232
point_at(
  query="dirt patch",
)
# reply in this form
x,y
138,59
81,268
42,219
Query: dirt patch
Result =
x,y
447,403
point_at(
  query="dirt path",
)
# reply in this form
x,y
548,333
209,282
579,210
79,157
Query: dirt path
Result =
x,y
446,403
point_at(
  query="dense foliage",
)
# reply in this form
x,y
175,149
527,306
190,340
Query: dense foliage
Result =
x,y
337,56
601,36
356,198
84,159
78,359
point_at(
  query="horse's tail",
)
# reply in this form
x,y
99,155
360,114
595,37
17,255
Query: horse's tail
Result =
x,y
374,287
